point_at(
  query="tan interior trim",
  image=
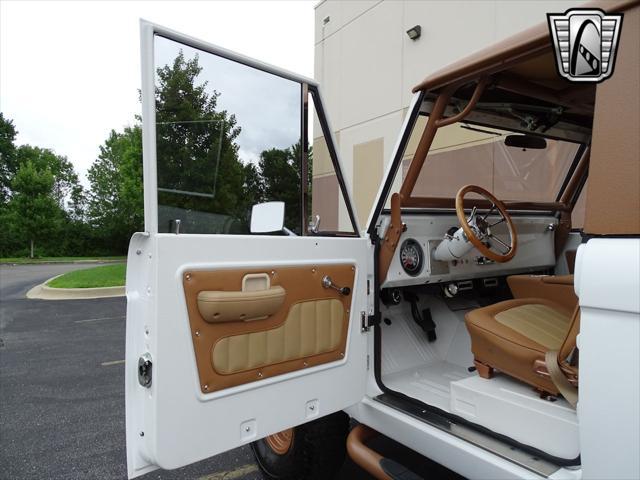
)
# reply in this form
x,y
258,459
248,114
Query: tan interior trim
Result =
x,y
613,196
301,284
240,306
312,327
538,322
555,288
499,346
391,237
425,143
477,93
568,391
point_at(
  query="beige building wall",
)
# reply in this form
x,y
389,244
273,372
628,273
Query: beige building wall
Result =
x,y
367,65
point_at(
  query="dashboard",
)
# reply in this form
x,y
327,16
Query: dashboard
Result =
x,y
413,262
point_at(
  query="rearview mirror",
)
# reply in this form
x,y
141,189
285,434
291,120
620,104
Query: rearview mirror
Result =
x,y
525,141
267,217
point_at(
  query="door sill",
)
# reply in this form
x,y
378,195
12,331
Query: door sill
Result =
x,y
540,466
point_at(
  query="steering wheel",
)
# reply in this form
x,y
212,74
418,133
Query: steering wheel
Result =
x,y
478,228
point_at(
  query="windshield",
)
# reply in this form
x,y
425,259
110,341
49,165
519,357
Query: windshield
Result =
x,y
463,154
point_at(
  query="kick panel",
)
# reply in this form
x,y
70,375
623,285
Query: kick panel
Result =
x,y
308,328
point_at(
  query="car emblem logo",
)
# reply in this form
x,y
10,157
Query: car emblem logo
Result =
x,y
585,43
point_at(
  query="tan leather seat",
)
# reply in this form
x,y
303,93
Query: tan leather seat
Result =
x,y
557,288
513,336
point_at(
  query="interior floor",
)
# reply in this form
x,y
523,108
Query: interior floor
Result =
x,y
438,373
430,383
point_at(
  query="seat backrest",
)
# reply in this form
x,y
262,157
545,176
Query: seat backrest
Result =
x,y
557,288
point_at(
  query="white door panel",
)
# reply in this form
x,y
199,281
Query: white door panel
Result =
x,y
182,425
174,418
607,282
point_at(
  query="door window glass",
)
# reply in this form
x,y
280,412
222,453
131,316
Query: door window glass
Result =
x,y
326,199
228,136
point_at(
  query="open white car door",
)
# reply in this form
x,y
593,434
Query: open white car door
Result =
x,y
232,336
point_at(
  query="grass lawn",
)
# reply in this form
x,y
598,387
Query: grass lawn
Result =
x,y
24,260
103,276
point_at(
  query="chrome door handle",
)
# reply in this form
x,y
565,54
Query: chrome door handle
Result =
x,y
328,283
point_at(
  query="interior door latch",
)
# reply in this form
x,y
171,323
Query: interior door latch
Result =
x,y
145,367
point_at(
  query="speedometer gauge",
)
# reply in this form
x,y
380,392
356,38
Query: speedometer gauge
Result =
x,y
411,257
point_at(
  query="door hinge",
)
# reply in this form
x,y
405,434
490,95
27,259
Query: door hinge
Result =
x,y
145,368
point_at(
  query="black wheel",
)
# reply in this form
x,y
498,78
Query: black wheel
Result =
x,y
313,451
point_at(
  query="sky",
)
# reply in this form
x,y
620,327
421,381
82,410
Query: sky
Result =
x,y
266,107
70,71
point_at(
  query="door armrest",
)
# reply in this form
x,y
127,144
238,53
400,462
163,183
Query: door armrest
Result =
x,y
240,306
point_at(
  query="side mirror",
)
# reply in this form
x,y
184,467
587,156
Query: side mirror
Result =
x,y
267,217
532,142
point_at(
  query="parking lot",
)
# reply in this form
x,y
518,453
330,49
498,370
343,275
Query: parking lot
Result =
x,y
62,390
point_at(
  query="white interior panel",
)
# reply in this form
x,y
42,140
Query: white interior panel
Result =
x,y
512,408
535,250
436,373
608,283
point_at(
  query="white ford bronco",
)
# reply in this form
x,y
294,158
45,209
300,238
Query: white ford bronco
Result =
x,y
487,315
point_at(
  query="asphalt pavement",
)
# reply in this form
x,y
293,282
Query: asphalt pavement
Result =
x,y
62,390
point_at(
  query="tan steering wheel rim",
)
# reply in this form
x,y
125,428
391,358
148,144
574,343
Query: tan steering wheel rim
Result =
x,y
471,235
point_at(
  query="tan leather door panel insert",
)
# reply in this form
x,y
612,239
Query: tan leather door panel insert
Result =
x,y
310,326
240,306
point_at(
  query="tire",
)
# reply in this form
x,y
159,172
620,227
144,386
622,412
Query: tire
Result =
x,y
316,452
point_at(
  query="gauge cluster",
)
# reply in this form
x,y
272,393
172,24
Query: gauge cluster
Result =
x,y
411,257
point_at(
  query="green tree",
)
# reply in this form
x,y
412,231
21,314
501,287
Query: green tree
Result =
x,y
33,207
278,177
66,190
24,164
198,165
115,204
8,157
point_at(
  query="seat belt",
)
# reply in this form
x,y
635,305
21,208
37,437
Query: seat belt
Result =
x,y
568,391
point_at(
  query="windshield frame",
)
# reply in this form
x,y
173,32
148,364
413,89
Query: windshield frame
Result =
x,y
565,198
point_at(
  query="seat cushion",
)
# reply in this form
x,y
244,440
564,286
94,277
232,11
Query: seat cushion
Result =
x,y
512,335
538,322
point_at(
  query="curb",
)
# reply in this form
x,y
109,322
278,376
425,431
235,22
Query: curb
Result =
x,y
59,262
43,292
